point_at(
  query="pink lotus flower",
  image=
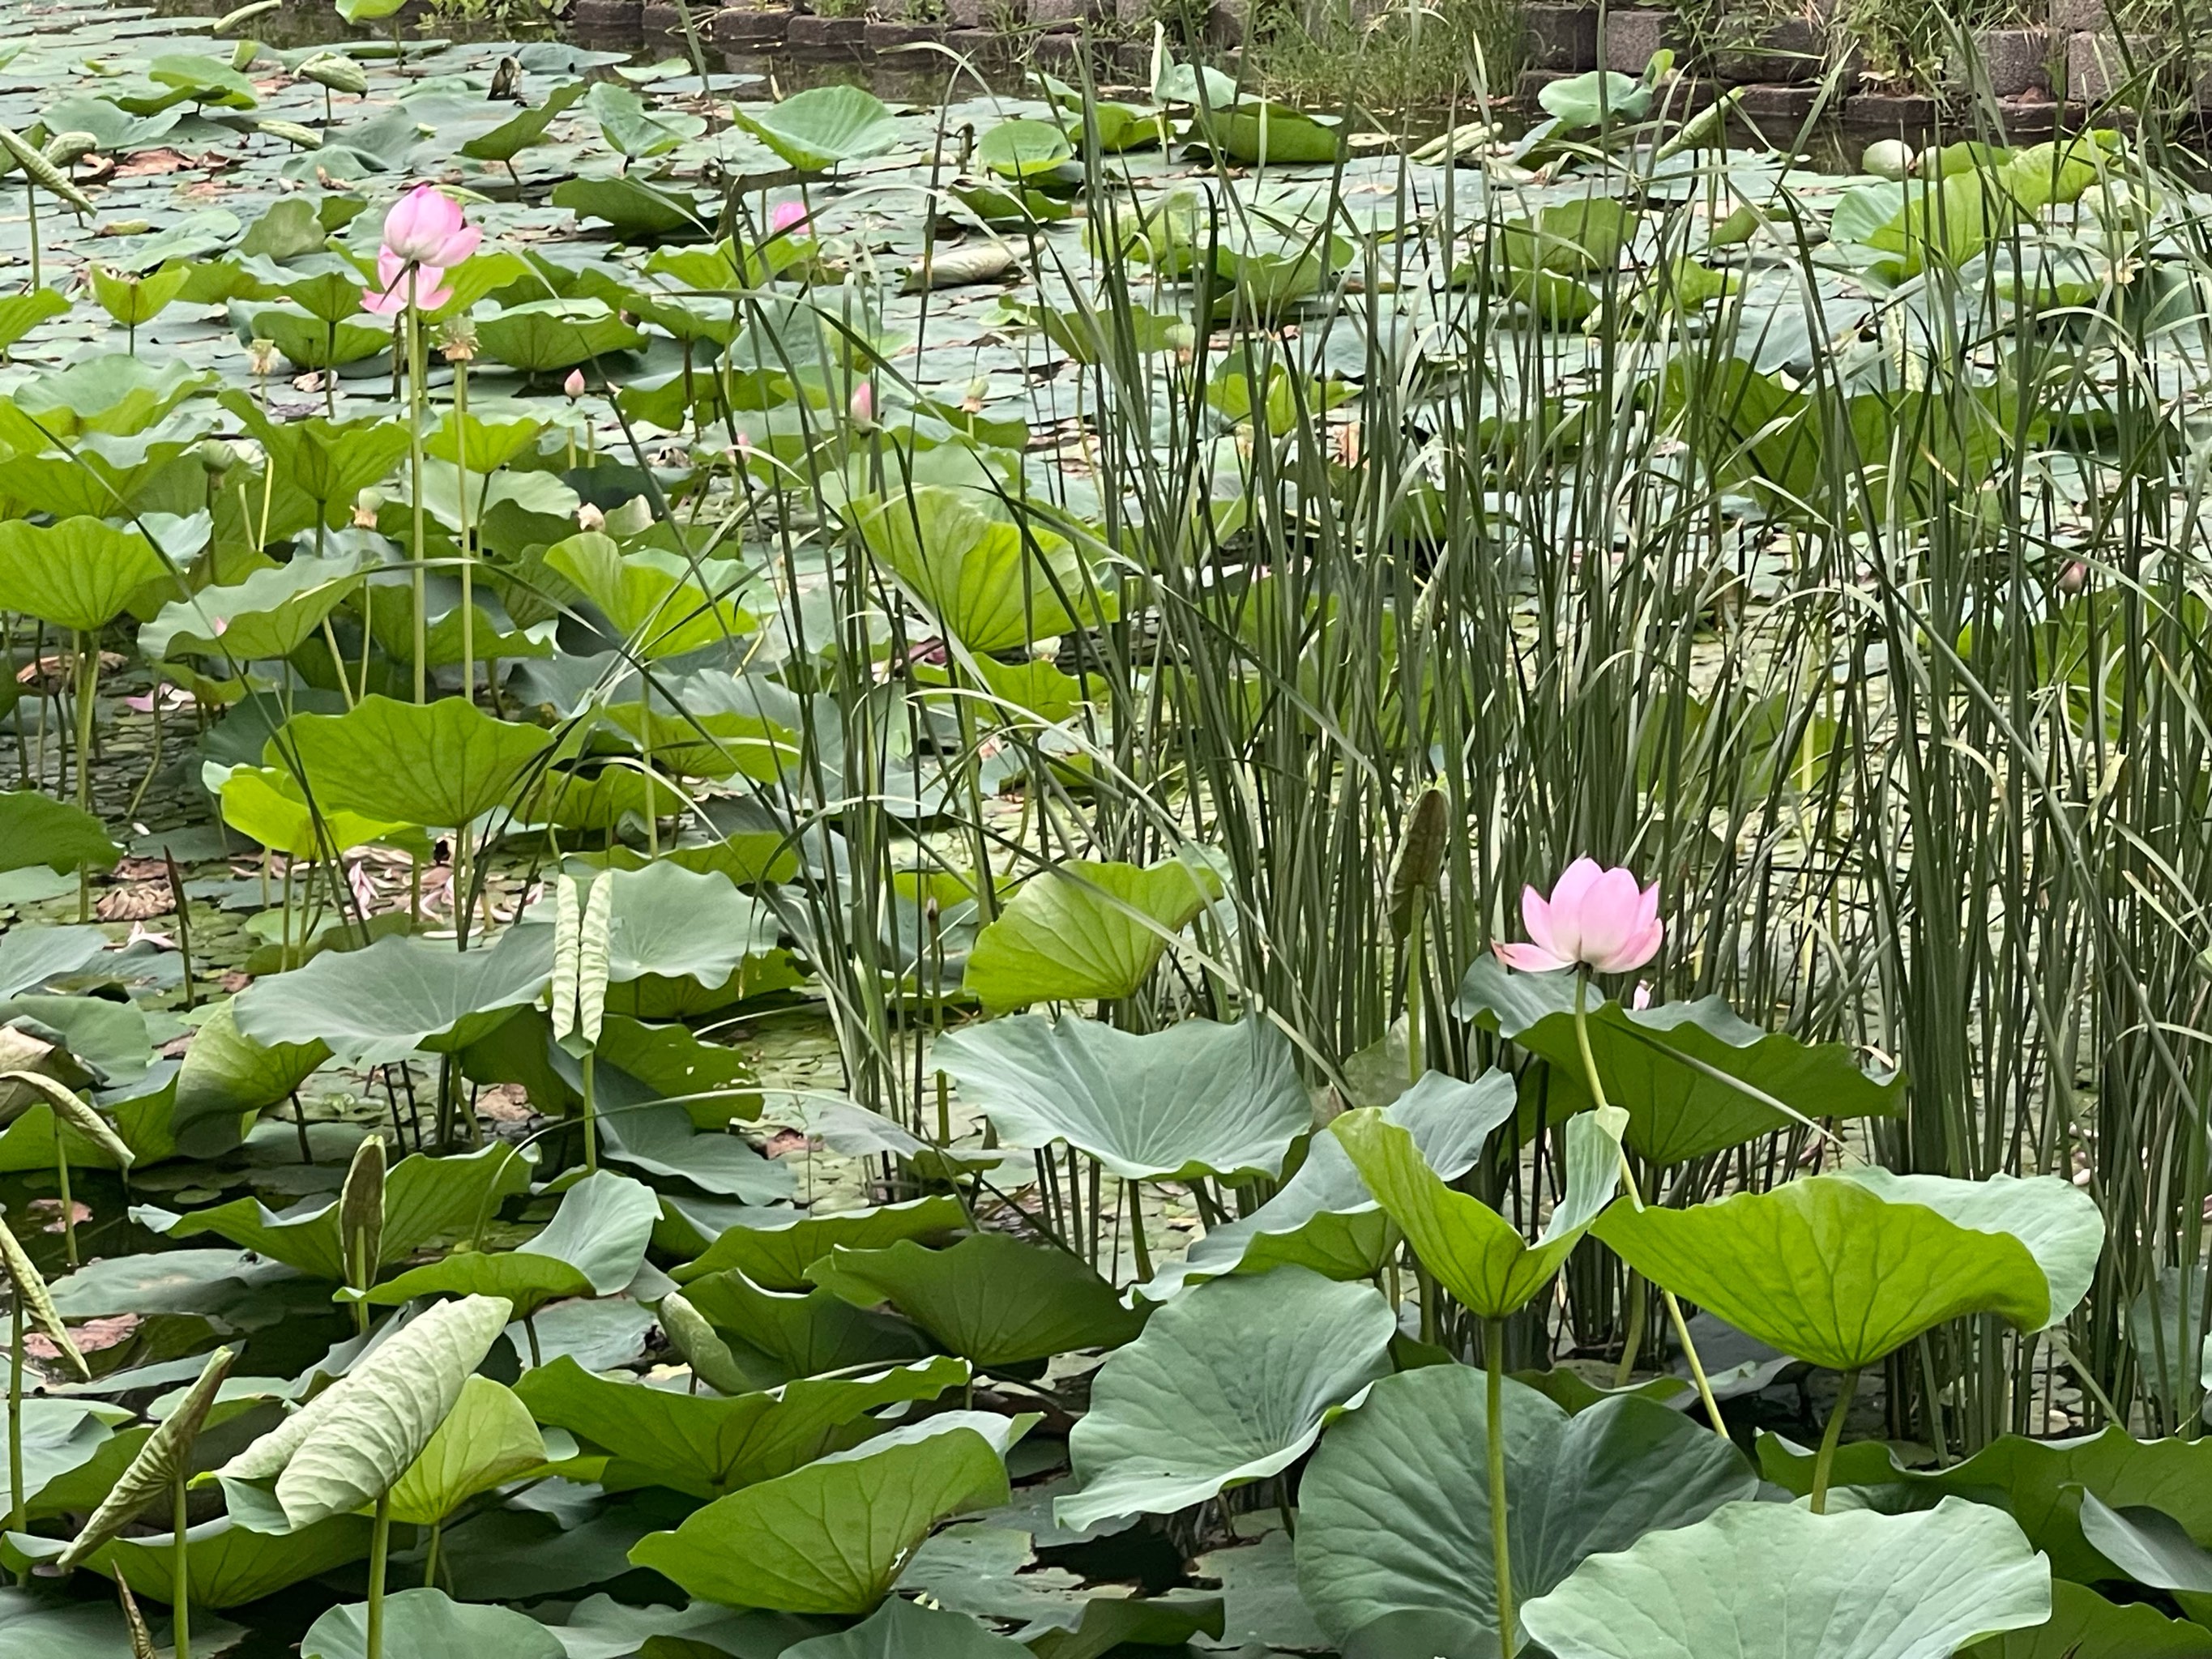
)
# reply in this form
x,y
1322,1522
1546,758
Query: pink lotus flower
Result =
x,y
425,227
1595,918
863,406
789,219
396,282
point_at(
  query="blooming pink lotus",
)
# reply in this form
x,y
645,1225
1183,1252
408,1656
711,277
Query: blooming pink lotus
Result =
x,y
789,219
425,227
1595,918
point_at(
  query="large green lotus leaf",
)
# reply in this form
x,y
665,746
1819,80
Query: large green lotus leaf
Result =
x,y
1264,132
424,1198
901,1629
1676,1112
21,313
2040,1481
157,470
633,131
634,209
823,127
521,131
226,1074
660,1139
1475,1253
79,573
30,956
832,1537
397,995
227,1564
775,1247
2083,1625
653,598
1394,1512
984,580
682,924
439,764
112,392
2059,1223
347,1446
990,1298
547,334
776,1335
1772,1581
1081,931
34,1627
1231,1382
272,613
1826,1270
57,1435
308,342
35,828
705,1447
1115,1624
428,1624
389,601
486,1438
267,803
1196,1098
1324,1217
593,1246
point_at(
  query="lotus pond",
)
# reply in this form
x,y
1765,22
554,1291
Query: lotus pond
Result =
x,y
792,878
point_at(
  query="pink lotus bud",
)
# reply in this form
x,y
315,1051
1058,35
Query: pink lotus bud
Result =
x,y
789,219
574,386
590,518
425,227
863,406
1596,917
397,282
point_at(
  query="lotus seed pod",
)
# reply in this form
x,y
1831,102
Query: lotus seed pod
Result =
x,y
1888,158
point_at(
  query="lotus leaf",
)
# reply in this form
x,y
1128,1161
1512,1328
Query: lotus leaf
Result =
x,y
428,1624
37,829
79,573
442,764
775,1247
1394,1509
593,1246
1231,1382
992,1299
705,1447
424,1198
1475,1253
1657,1064
1324,1217
833,1536
348,1446
1825,1269
988,582
1768,1580
823,127
1197,1098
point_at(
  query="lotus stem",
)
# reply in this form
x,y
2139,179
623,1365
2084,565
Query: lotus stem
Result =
x,y
1493,1363
87,688
379,1550
1636,1200
590,1118
18,1517
1823,1464
180,1571
31,203
430,1556
1137,1233
468,565
414,402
